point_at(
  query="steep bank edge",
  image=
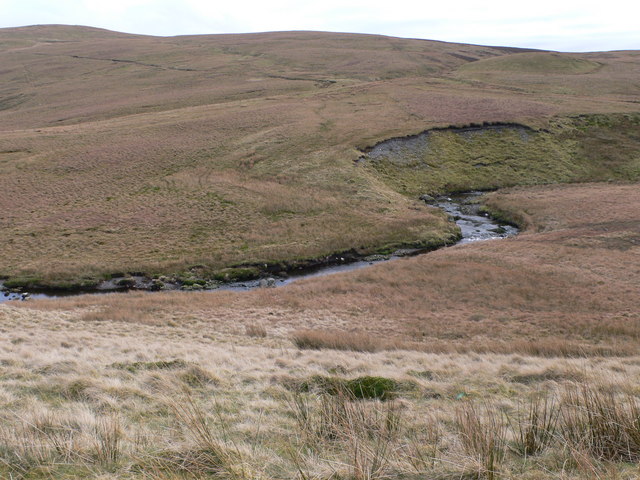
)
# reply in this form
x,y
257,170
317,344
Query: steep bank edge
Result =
x,y
489,156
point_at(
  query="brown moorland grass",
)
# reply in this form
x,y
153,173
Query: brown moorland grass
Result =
x,y
567,285
130,153
113,399
512,359
196,385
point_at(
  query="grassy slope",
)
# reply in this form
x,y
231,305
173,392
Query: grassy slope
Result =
x,y
132,153
567,285
116,385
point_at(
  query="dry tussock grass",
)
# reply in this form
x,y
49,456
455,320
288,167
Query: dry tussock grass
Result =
x,y
149,165
569,290
338,340
119,402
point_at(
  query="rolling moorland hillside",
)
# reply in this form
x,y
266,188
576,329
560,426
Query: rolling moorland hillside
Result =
x,y
193,156
190,155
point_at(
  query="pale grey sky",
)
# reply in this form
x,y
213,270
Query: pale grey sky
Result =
x,y
565,25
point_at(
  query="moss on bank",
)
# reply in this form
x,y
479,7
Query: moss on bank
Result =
x,y
572,149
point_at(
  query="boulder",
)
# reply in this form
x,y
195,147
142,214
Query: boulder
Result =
x,y
376,258
428,199
404,252
267,282
156,284
126,282
469,209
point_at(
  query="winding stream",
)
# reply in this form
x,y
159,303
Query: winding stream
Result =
x,y
463,208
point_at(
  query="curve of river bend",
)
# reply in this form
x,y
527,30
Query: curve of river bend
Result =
x,y
463,208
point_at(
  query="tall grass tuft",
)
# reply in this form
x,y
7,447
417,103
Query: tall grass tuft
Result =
x,y
367,433
210,452
605,425
423,445
255,330
108,438
48,439
483,435
337,340
536,428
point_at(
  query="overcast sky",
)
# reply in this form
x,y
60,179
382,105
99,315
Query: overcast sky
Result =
x,y
564,25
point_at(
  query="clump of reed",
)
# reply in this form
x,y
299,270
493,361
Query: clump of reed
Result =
x,y
338,340
605,425
366,432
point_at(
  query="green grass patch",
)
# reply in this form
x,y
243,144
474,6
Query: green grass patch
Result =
x,y
534,62
573,149
22,282
360,388
236,274
134,367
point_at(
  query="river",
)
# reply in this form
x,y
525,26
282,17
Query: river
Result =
x,y
463,208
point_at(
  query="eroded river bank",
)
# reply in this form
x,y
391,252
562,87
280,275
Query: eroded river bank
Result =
x,y
464,209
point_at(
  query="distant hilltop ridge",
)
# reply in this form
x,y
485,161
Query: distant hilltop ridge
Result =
x,y
74,31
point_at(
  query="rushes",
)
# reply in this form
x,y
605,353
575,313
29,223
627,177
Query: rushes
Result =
x,y
366,434
535,430
483,436
605,425
595,424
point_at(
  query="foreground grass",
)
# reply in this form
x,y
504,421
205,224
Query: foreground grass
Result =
x,y
86,399
525,365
